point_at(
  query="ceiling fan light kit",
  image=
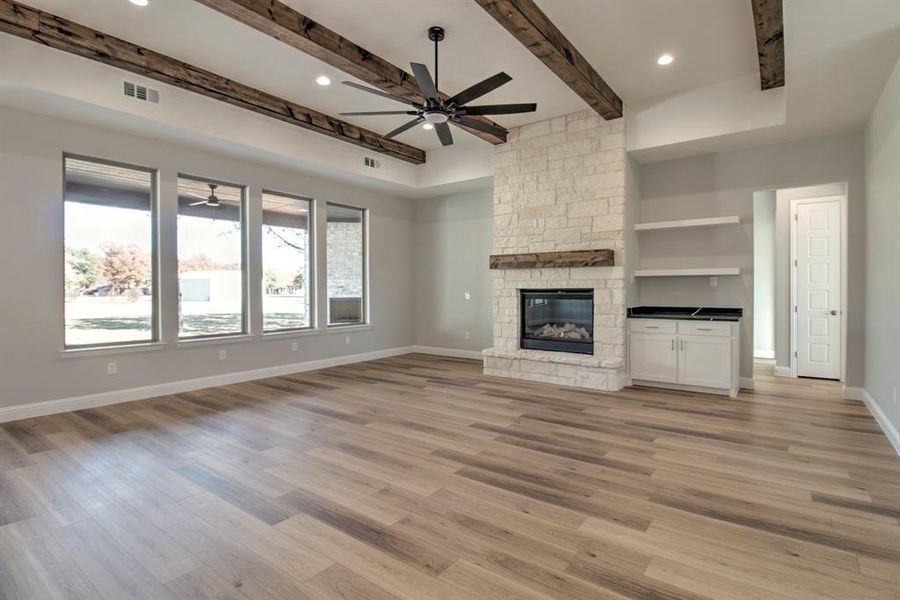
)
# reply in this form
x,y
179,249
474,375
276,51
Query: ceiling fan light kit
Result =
x,y
211,200
439,112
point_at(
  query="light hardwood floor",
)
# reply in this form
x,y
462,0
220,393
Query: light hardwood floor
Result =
x,y
418,477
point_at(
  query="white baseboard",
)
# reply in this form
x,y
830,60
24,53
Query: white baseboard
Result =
x,y
49,407
887,427
783,371
748,383
763,353
453,352
854,393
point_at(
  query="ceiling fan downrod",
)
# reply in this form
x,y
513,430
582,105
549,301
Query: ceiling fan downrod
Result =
x,y
436,35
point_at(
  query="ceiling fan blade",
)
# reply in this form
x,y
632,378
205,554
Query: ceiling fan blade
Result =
x,y
426,83
378,112
474,124
402,128
197,203
480,89
380,93
498,109
443,132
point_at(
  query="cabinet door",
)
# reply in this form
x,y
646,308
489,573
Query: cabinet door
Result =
x,y
653,357
704,360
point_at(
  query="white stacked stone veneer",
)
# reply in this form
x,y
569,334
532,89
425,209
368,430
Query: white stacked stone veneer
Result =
x,y
560,185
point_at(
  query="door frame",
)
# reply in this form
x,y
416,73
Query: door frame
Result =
x,y
842,199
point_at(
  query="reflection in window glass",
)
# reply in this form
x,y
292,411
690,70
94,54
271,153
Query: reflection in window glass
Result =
x,y
286,262
210,258
109,254
345,256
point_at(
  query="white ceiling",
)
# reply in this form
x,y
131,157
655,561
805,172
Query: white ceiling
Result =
x,y
838,53
711,40
621,38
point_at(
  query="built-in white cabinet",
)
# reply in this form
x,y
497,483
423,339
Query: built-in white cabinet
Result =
x,y
695,355
653,357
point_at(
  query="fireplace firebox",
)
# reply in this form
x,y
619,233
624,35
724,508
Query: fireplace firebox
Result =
x,y
557,320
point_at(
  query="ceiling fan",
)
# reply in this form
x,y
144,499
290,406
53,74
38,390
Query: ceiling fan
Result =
x,y
211,200
438,112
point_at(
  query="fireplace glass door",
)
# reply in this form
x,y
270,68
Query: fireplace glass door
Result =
x,y
558,320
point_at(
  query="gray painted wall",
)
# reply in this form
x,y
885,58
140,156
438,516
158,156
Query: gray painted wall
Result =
x,y
453,240
764,273
882,160
722,184
31,269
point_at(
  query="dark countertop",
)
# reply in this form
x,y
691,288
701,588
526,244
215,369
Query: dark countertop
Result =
x,y
690,313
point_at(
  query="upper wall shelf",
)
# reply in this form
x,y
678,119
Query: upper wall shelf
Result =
x,y
686,223
688,272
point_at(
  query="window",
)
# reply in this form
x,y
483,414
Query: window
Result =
x,y
211,259
110,253
287,268
346,256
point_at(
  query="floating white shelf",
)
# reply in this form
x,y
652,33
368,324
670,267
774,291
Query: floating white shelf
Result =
x,y
687,223
688,272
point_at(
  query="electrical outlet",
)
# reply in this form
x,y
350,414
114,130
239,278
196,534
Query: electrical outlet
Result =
x,y
468,335
714,281
347,339
223,354
468,296
113,368
294,346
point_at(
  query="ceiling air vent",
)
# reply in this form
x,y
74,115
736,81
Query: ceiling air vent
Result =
x,y
140,92
373,163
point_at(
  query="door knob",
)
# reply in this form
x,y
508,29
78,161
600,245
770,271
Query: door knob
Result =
x,y
834,312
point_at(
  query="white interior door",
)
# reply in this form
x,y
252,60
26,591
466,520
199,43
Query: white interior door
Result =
x,y
818,275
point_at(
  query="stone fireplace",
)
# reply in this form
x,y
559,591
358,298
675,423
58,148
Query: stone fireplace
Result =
x,y
559,186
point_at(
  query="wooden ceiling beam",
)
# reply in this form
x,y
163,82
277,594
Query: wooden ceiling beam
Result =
x,y
768,21
59,33
285,24
528,24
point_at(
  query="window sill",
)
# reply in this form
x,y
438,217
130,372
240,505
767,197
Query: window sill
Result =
x,y
290,333
108,350
342,328
215,341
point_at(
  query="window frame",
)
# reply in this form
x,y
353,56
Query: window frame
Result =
x,y
311,266
245,262
155,297
364,301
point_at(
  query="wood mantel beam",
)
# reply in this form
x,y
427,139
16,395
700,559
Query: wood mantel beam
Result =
x,y
59,33
285,24
542,260
528,24
768,21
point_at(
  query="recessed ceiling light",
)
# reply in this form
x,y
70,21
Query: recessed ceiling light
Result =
x,y
321,79
427,125
139,2
665,59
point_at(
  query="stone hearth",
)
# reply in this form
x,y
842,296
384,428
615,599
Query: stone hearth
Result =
x,y
560,185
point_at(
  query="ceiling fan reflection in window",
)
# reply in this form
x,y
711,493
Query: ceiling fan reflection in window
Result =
x,y
453,110
211,200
